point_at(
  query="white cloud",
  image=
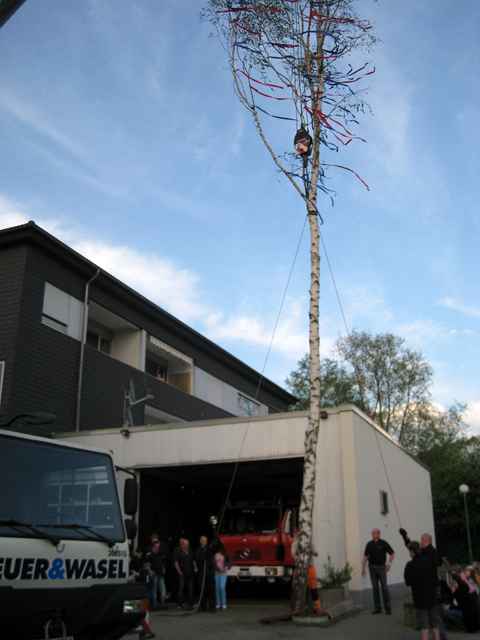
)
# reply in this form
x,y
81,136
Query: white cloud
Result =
x,y
178,289
367,304
10,213
457,305
158,279
419,332
390,96
26,114
291,339
472,416
62,151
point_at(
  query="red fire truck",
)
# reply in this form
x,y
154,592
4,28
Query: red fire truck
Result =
x,y
258,539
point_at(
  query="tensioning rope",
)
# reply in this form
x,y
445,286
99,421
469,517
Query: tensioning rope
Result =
x,y
262,374
349,333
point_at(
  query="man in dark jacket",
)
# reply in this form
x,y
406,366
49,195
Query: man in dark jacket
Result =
x,y
157,557
205,575
376,552
185,568
421,576
427,548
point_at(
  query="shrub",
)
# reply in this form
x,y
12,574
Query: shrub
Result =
x,y
334,578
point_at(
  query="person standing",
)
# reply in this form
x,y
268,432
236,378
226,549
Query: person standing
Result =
x,y
139,573
312,580
466,596
427,549
376,552
221,570
205,575
185,568
420,576
157,557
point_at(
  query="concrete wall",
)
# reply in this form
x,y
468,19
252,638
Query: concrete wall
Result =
x,y
203,442
409,488
329,532
46,361
12,269
128,346
219,393
104,381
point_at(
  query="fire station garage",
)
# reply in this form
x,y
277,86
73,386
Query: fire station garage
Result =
x,y
364,480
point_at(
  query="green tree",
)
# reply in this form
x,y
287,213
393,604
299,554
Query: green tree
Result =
x,y
453,458
391,383
337,385
380,375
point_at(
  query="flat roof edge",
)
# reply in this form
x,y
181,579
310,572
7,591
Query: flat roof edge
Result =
x,y
173,426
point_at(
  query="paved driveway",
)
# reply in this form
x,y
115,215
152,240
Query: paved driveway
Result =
x,y
241,622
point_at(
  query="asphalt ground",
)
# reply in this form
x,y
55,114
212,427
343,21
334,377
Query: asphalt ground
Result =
x,y
241,621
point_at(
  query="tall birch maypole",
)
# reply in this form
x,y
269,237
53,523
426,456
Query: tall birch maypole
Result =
x,y
293,63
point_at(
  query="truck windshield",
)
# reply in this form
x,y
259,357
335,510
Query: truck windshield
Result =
x,y
251,520
49,485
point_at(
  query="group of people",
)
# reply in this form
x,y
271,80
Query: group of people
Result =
x,y
442,595
198,577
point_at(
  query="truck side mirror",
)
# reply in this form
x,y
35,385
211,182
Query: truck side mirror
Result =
x,y
131,527
130,497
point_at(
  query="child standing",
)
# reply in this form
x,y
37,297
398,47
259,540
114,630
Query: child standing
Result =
x,y
221,569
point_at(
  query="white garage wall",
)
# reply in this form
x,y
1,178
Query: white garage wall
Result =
x,y
350,473
410,484
276,436
329,512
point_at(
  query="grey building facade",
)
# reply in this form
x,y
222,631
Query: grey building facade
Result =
x,y
127,342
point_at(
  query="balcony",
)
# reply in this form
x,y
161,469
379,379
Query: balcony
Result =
x,y
169,365
115,336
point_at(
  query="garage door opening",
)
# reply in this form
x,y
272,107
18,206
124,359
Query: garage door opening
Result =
x,y
179,501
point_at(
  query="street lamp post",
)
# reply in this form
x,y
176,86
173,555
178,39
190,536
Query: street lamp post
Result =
x,y
464,490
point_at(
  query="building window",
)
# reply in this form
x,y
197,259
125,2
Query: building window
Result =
x,y
62,312
384,503
58,325
99,342
156,369
169,365
247,406
2,376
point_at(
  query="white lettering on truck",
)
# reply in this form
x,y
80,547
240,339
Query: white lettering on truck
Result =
x,y
61,569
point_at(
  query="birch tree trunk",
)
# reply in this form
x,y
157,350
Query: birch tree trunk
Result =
x,y
305,525
276,51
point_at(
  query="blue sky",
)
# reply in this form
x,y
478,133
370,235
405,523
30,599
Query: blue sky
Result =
x,y
121,134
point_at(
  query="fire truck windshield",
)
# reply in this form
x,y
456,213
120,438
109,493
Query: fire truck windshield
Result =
x,y
251,520
65,487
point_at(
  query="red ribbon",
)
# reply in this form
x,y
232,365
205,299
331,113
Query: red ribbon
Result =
x,y
265,84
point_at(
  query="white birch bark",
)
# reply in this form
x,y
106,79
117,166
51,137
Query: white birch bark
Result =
x,y
306,511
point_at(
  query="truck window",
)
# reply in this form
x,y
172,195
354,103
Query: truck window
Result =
x,y
49,484
251,520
